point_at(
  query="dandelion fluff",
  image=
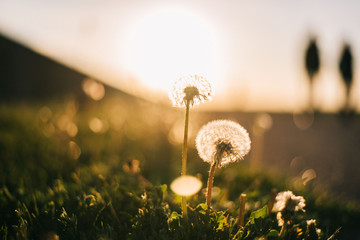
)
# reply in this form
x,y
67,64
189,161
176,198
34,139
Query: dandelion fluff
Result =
x,y
311,222
287,200
222,141
186,185
193,88
280,219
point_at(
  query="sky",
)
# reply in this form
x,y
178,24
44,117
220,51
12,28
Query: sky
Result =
x,y
251,51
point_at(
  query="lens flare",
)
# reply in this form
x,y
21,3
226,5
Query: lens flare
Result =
x,y
186,185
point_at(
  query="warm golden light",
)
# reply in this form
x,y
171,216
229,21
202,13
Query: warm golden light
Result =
x,y
308,175
253,65
74,150
93,89
170,43
97,125
186,185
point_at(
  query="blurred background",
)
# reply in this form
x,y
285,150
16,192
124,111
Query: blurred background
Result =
x,y
92,79
252,51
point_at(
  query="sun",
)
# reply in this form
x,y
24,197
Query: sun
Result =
x,y
170,43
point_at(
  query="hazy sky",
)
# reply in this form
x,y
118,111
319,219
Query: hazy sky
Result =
x,y
252,50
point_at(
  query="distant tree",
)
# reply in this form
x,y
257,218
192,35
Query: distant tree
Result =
x,y
346,70
312,65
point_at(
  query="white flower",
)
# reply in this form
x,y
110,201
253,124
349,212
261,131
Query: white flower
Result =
x,y
287,200
222,141
192,88
310,222
280,219
287,204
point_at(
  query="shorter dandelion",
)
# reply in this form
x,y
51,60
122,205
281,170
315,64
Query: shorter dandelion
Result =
x,y
287,204
219,143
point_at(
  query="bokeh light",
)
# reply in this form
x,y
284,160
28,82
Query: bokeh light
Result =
x,y
93,89
74,150
186,185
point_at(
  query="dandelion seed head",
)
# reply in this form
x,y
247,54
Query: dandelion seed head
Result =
x,y
193,88
222,141
288,201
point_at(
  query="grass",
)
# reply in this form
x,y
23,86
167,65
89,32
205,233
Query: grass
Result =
x,y
111,182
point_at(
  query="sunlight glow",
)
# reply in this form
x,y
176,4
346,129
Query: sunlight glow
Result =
x,y
74,150
308,175
97,125
93,89
168,44
186,185
141,48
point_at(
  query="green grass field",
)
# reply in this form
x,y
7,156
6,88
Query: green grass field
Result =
x,y
101,170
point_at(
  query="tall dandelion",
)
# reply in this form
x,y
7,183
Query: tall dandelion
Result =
x,y
219,143
188,91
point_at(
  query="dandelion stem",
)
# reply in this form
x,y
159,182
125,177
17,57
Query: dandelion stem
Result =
x,y
113,212
272,200
210,184
283,230
186,129
242,209
184,209
184,157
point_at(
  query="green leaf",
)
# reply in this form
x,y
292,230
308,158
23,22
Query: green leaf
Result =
x,y
238,235
202,206
174,215
273,233
261,213
222,221
163,188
